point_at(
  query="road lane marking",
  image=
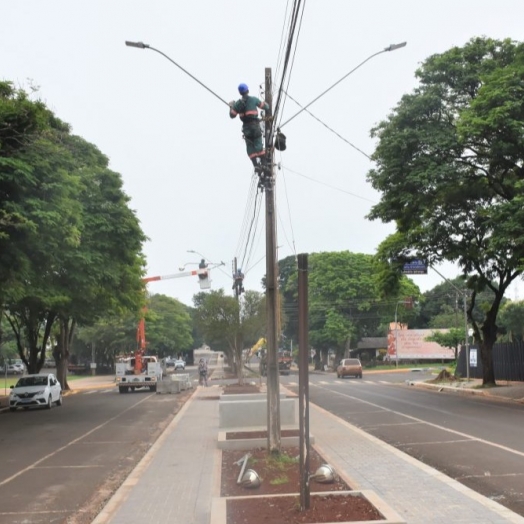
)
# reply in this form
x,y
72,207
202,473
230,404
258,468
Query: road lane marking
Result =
x,y
74,441
455,432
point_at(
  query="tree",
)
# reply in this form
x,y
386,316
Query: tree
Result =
x,y
168,326
226,322
452,339
344,300
512,321
449,165
21,123
79,257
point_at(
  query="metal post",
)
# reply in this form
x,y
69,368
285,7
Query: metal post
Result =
x,y
396,336
465,315
303,379
467,335
93,358
273,385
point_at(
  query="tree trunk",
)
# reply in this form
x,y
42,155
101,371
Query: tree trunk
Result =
x,y
61,351
486,355
489,337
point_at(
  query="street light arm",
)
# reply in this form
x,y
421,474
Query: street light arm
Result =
x,y
392,47
141,45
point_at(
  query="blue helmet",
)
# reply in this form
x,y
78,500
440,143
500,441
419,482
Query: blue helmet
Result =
x,y
243,89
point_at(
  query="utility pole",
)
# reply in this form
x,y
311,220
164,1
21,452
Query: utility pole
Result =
x,y
239,339
273,385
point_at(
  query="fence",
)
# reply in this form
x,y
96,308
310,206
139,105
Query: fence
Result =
x,y
508,362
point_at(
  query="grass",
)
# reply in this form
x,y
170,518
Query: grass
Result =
x,y
278,481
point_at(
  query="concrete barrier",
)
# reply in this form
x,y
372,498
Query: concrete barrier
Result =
x,y
253,413
168,386
182,379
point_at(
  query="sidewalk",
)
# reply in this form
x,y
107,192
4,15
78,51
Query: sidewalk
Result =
x,y
178,477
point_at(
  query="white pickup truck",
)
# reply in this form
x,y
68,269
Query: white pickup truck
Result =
x,y
127,380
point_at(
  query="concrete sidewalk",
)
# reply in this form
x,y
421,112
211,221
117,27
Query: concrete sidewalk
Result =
x,y
179,476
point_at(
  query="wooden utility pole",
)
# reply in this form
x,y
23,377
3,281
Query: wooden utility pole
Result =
x,y
273,385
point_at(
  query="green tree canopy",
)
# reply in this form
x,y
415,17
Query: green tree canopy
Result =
x,y
450,170
74,247
168,326
344,299
226,323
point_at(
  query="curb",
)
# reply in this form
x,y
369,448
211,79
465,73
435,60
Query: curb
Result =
x,y
464,391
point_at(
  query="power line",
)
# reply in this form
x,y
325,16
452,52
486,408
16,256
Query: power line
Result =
x,y
331,186
329,128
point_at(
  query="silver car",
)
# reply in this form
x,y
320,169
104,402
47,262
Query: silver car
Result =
x,y
35,390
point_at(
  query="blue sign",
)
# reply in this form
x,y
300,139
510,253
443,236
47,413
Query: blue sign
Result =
x,y
415,267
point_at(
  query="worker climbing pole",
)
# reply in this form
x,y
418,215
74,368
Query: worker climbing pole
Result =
x,y
247,108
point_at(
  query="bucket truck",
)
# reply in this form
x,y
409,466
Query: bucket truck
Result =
x,y
141,371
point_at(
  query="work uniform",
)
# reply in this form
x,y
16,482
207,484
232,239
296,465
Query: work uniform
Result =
x,y
247,109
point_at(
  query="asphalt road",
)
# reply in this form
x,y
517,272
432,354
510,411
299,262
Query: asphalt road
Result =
x,y
61,465
473,439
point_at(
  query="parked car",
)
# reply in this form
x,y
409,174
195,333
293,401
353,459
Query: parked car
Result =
x,y
35,390
19,365
180,364
12,369
349,367
49,363
170,362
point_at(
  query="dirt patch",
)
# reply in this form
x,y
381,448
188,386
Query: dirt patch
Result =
x,y
280,476
443,376
237,389
286,510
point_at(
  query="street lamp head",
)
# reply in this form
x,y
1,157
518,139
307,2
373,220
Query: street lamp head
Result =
x,y
140,45
394,47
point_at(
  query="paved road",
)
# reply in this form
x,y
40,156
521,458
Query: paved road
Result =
x,y
475,440
61,465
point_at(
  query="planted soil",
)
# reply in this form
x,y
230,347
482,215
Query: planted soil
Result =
x,y
235,435
280,476
286,510
237,389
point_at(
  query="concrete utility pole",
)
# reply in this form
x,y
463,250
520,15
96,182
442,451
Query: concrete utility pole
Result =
x,y
273,378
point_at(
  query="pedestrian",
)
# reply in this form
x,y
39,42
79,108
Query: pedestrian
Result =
x,y
247,109
202,371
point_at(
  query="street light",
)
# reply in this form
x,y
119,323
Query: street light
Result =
x,y
141,45
392,47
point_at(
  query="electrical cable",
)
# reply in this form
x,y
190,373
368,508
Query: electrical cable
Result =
x,y
329,128
292,29
331,186
247,214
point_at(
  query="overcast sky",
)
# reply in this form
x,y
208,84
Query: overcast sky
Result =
x,y
182,159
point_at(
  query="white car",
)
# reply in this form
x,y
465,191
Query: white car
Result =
x,y
180,364
35,390
12,369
